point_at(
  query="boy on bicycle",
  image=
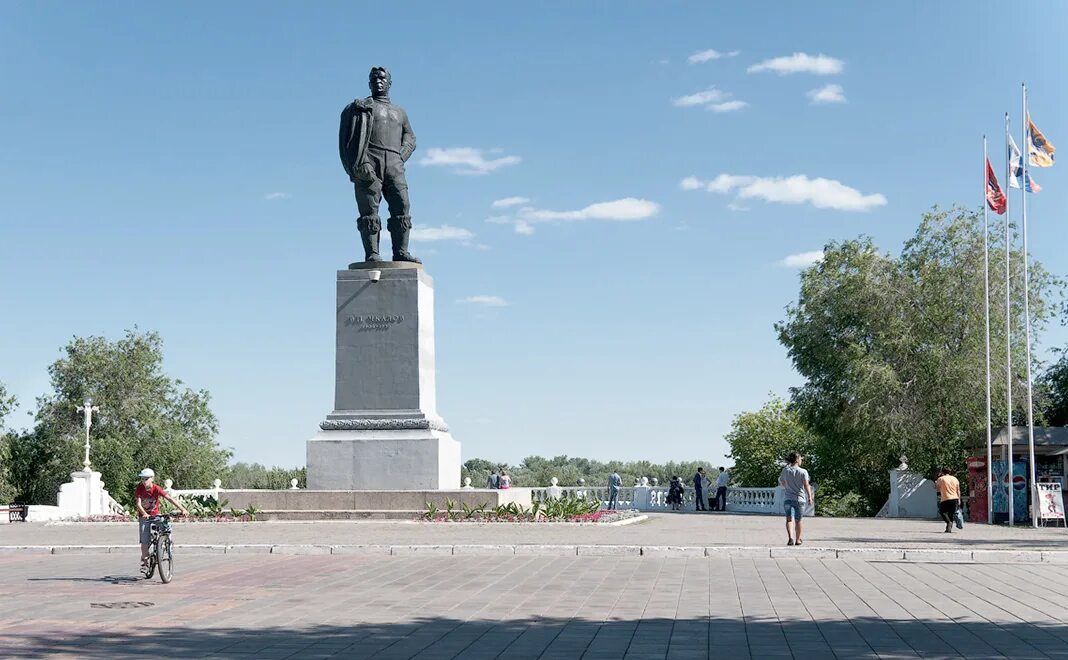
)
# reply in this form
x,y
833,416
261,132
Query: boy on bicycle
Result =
x,y
147,496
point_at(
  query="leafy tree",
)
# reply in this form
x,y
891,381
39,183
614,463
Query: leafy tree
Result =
x,y
761,440
146,419
539,471
256,476
7,405
892,349
1054,386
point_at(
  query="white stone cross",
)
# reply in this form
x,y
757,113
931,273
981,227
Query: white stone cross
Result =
x,y
88,409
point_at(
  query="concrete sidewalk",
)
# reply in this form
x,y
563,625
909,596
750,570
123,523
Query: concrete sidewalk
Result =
x,y
551,608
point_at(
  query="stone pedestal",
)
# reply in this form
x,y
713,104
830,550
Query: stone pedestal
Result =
x,y
384,432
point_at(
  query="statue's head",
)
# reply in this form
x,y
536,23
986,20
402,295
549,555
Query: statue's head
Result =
x,y
379,81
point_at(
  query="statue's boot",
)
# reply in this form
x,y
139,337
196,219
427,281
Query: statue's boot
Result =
x,y
370,246
400,246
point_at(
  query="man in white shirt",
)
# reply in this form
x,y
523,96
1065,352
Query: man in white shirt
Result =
x,y
722,481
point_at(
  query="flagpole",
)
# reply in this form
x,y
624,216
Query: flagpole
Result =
x,y
986,310
1025,157
1008,328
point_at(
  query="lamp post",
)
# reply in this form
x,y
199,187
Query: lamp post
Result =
x,y
87,409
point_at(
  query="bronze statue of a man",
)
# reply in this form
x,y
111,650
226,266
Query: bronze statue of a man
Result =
x,y
375,140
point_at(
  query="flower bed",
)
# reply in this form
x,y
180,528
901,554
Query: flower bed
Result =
x,y
176,519
551,511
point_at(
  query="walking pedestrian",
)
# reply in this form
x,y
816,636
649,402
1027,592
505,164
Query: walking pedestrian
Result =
x,y
615,482
798,491
722,481
674,497
948,497
699,489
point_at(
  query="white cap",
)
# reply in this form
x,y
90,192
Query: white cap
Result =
x,y
147,472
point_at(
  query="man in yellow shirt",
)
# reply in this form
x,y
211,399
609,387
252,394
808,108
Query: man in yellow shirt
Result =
x,y
948,496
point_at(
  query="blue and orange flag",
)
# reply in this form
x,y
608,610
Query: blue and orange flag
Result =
x,y
1039,150
995,196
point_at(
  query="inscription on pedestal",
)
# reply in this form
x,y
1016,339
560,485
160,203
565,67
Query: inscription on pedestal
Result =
x,y
372,323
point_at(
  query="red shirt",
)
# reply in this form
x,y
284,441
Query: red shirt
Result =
x,y
149,498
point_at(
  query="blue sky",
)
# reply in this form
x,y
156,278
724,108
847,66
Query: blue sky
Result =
x,y
176,169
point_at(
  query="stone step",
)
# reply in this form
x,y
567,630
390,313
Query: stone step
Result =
x,y
339,514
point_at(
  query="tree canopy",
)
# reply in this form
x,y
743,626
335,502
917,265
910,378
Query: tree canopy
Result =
x,y
538,471
146,419
892,349
760,441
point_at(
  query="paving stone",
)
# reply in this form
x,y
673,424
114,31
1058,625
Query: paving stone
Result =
x,y
249,548
871,554
672,551
803,553
26,549
81,549
609,550
483,550
360,549
752,552
200,549
302,549
421,549
553,550
938,555
1006,556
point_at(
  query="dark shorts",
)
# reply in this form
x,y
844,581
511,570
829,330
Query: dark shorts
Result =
x,y
949,506
794,510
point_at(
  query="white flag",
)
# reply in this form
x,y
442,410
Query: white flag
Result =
x,y
1016,169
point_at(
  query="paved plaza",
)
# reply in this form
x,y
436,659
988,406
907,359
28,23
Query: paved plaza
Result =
x,y
364,606
687,529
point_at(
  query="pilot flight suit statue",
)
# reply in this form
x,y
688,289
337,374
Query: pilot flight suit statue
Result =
x,y
374,140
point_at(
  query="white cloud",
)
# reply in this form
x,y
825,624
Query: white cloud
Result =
x,y
486,301
703,56
711,95
738,208
802,260
509,201
466,160
628,209
277,195
729,106
625,209
821,64
798,189
827,94
712,99
442,233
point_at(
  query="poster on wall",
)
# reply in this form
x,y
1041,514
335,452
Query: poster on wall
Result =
x,y
1050,502
1000,471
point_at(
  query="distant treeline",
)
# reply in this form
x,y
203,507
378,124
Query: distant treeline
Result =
x,y
538,471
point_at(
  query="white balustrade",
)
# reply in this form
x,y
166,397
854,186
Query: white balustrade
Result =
x,y
646,497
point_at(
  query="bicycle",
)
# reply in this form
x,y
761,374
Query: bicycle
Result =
x,y
160,549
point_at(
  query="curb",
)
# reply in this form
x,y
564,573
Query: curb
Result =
x,y
916,555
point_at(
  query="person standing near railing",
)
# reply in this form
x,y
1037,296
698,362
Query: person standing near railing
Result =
x,y
699,480
615,482
722,481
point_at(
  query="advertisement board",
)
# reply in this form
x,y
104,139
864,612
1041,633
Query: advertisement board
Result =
x,y
1050,501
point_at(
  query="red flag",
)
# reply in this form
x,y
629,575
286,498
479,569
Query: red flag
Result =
x,y
995,198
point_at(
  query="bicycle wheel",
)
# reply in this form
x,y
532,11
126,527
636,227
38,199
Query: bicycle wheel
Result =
x,y
165,558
